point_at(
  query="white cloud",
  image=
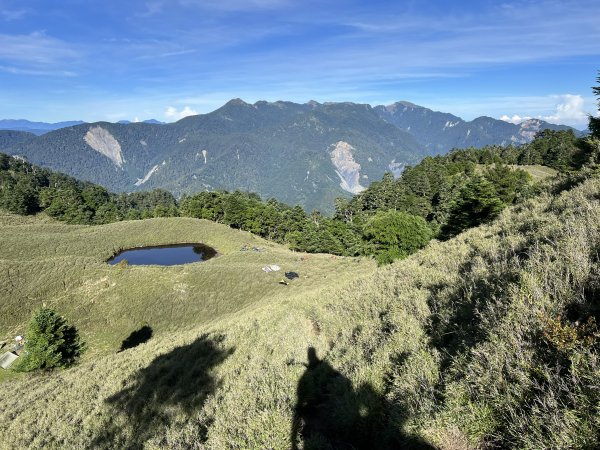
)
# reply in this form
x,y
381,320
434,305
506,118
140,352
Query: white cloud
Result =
x,y
38,72
566,109
152,8
514,119
172,112
569,109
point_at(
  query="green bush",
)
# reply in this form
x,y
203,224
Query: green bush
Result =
x,y
394,234
50,342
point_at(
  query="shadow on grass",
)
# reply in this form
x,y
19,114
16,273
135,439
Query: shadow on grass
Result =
x,y
176,382
463,313
330,414
136,338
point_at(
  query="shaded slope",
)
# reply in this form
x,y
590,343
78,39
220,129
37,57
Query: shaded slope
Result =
x,y
10,139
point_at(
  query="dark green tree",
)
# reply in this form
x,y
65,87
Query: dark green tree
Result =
x,y
477,203
509,183
20,198
594,124
50,342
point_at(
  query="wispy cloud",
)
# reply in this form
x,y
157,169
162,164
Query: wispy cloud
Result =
x,y
14,14
34,72
10,10
531,31
152,8
36,48
236,5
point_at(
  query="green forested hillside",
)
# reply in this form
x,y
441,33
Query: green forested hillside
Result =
x,y
439,132
9,139
487,340
307,154
280,150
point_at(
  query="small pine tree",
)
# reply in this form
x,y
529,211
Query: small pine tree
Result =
x,y
477,203
50,342
594,124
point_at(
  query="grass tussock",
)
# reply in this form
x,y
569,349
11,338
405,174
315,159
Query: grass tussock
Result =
x,y
488,340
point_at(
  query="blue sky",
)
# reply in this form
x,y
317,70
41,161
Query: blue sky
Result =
x,y
128,59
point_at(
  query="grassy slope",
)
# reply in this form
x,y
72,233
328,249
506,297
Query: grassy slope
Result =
x,y
537,172
42,261
448,339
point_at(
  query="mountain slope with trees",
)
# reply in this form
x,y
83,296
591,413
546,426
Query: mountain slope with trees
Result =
x,y
440,132
280,150
307,154
10,139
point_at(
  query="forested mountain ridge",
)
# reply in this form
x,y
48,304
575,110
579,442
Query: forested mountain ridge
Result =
x,y
307,154
440,132
10,138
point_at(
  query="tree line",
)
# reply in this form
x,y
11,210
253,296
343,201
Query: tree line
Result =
x,y
437,198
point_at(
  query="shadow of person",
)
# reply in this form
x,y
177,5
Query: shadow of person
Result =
x,y
179,380
330,414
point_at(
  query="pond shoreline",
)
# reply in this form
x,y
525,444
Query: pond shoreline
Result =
x,y
148,255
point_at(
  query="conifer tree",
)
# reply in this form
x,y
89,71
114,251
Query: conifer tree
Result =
x,y
594,124
50,342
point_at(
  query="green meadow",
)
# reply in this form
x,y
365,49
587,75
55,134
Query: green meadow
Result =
x,y
44,262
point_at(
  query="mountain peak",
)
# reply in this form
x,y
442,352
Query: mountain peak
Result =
x,y
237,101
401,104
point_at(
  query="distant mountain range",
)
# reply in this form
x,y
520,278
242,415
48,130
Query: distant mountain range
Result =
x,y
306,154
36,128
440,132
39,128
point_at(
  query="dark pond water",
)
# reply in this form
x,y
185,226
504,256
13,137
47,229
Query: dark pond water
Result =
x,y
164,255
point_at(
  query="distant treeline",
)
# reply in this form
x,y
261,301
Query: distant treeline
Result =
x,y
439,197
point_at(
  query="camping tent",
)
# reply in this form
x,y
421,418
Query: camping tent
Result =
x,y
7,360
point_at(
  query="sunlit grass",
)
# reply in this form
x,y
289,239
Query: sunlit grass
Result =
x,y
48,263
